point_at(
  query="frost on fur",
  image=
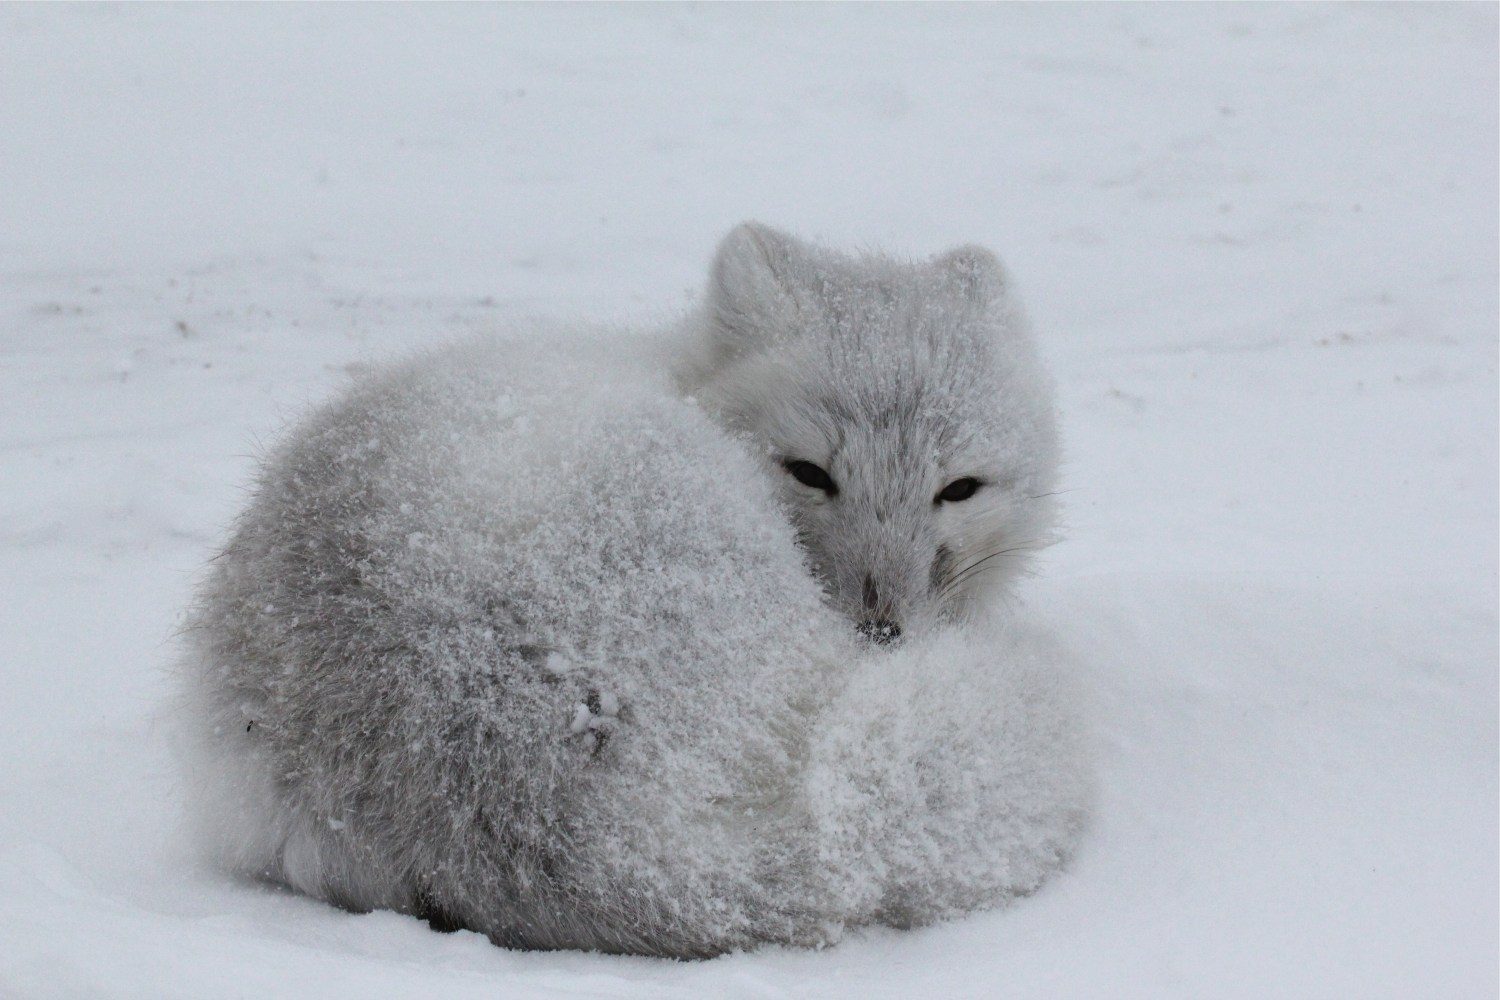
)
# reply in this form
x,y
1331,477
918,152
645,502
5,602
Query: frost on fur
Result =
x,y
521,640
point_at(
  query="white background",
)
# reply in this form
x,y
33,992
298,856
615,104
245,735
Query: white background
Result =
x,y
1260,248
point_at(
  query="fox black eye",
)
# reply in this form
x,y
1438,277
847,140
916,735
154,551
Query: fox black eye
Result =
x,y
810,475
959,489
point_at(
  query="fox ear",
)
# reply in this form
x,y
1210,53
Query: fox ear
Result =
x,y
752,286
977,273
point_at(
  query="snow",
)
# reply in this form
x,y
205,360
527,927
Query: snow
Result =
x,y
1258,244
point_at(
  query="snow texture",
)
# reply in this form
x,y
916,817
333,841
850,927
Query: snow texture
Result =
x,y
1258,246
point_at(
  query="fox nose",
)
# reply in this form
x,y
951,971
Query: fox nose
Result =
x,y
877,629
880,630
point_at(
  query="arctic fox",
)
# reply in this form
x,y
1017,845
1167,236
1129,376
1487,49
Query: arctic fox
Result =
x,y
567,639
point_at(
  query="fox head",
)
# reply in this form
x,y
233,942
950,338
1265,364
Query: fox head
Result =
x,y
902,408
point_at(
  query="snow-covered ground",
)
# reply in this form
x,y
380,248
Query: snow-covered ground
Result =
x,y
1259,244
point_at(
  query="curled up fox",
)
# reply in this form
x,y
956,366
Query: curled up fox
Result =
x,y
669,643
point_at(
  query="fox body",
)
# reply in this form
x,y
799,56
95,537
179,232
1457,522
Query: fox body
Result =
x,y
559,639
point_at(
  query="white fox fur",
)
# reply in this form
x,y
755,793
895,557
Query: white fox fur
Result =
x,y
515,637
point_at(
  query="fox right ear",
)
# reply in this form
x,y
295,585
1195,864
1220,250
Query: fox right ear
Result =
x,y
752,286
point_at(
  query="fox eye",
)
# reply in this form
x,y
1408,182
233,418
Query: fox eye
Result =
x,y
959,489
811,475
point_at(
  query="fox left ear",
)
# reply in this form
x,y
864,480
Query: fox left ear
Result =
x,y
752,286
978,273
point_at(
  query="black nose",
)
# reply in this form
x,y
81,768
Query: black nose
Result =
x,y
881,631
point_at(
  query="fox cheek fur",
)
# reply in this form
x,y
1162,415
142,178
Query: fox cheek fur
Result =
x,y
872,386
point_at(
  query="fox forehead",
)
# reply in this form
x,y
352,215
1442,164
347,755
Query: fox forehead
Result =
x,y
937,412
